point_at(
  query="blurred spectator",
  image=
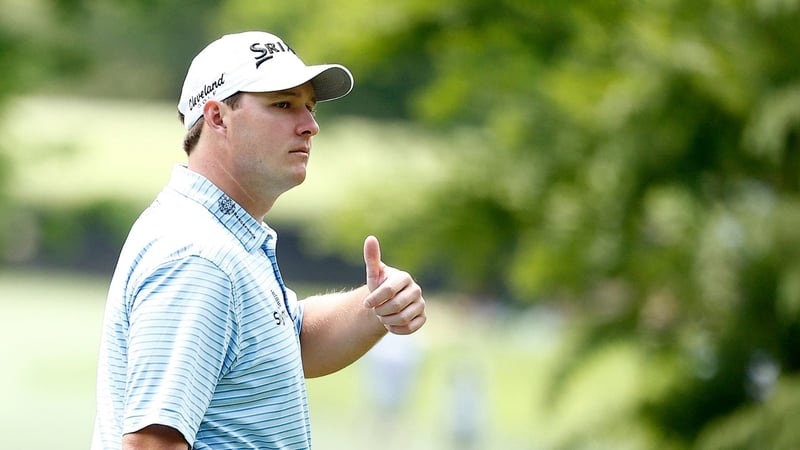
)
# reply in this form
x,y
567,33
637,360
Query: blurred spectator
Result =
x,y
392,368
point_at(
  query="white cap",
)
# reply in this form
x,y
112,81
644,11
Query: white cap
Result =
x,y
254,61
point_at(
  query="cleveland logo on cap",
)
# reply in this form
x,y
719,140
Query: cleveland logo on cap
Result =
x,y
200,98
264,52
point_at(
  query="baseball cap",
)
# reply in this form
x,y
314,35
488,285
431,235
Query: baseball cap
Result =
x,y
254,61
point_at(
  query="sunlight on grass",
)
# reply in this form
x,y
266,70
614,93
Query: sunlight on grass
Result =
x,y
74,150
66,150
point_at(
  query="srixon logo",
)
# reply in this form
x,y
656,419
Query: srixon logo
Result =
x,y
265,52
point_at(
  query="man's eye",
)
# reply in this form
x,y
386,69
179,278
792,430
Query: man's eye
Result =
x,y
283,105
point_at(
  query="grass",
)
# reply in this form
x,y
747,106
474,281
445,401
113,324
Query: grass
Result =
x,y
49,326
49,335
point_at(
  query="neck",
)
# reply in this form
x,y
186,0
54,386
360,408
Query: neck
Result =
x,y
255,203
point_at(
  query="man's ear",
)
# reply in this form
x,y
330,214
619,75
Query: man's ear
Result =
x,y
213,112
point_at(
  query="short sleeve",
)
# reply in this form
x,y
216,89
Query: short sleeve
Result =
x,y
182,337
295,309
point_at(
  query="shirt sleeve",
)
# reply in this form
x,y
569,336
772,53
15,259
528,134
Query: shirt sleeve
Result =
x,y
182,337
295,310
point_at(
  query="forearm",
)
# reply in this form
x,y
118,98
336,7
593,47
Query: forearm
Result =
x,y
337,330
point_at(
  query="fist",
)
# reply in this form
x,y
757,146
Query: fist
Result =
x,y
394,296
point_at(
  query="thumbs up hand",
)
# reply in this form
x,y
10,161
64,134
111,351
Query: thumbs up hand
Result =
x,y
394,296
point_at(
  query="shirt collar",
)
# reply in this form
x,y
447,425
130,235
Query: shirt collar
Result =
x,y
253,234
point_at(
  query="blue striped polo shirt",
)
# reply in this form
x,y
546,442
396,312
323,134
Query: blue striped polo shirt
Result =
x,y
200,333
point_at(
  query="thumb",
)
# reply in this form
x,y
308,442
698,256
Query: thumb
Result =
x,y
372,259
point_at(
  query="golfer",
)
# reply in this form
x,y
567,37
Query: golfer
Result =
x,y
203,345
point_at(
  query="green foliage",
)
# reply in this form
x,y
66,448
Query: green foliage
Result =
x,y
638,163
768,425
138,48
33,47
88,237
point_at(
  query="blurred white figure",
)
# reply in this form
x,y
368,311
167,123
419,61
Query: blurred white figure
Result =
x,y
466,406
392,367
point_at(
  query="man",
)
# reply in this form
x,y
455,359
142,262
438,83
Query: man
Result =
x,y
203,345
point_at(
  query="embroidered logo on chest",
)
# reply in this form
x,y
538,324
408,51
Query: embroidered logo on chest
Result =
x,y
280,315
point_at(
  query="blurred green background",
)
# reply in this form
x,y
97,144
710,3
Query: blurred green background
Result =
x,y
601,198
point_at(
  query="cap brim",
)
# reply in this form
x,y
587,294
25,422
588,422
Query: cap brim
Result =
x,y
330,81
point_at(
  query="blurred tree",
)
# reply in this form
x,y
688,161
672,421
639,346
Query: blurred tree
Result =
x,y
131,48
635,162
767,425
639,162
139,48
35,46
